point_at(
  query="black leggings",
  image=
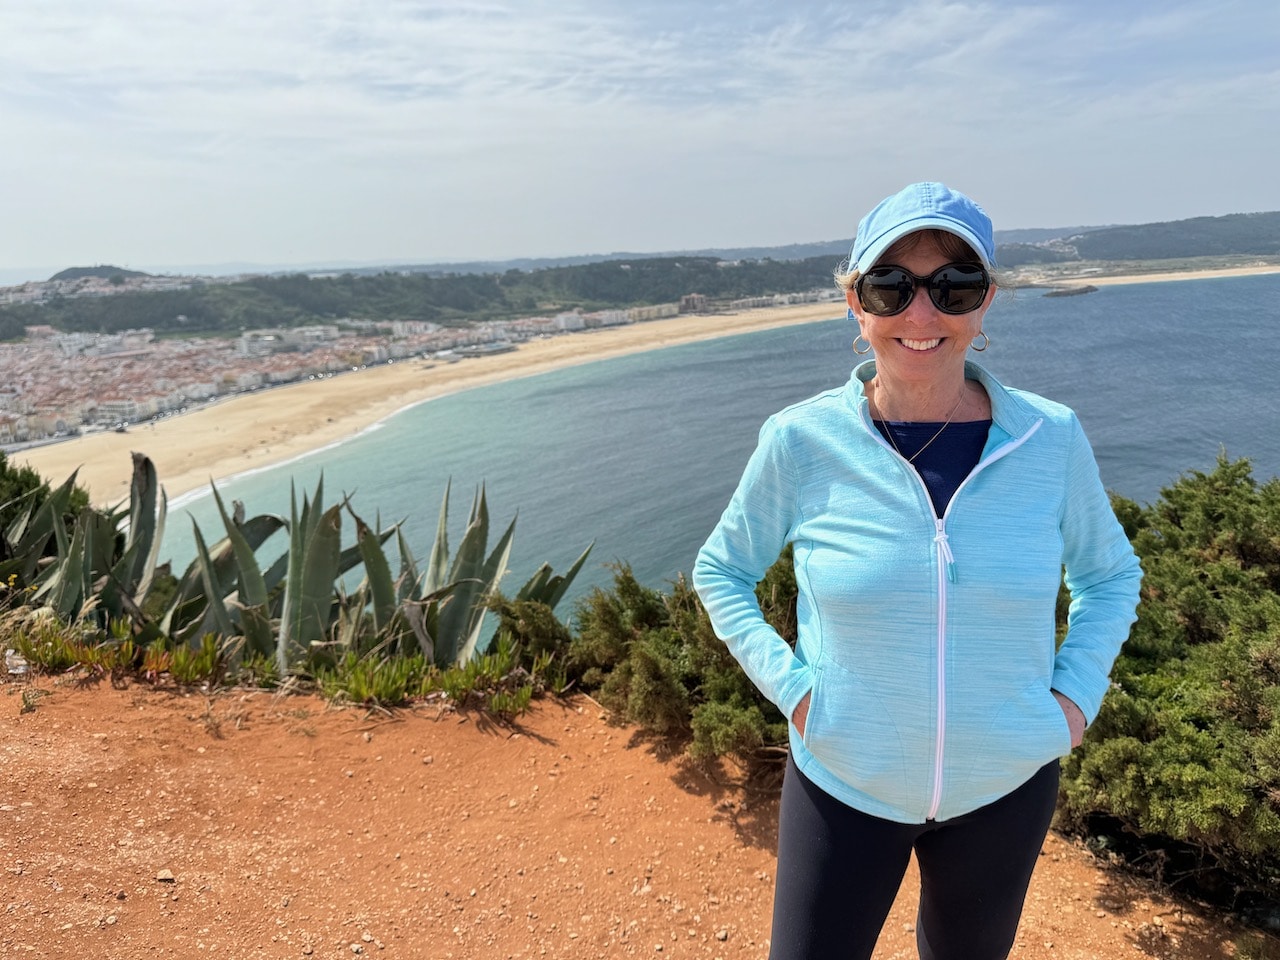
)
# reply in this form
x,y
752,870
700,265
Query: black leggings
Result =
x,y
839,871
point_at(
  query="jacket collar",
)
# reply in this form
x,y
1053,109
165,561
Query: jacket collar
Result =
x,y
1009,412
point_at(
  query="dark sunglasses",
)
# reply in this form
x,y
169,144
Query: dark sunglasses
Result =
x,y
953,288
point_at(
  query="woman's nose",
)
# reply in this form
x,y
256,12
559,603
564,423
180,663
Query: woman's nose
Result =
x,y
921,308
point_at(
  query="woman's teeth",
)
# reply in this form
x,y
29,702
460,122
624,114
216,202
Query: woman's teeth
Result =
x,y
921,344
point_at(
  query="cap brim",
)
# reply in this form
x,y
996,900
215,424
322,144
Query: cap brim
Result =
x,y
871,256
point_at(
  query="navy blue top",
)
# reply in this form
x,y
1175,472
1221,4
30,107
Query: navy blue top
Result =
x,y
946,461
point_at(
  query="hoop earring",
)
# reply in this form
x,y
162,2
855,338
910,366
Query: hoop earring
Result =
x,y
866,349
986,342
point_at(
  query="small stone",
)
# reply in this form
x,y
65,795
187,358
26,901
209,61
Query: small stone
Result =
x,y
428,759
307,950
121,895
722,934
166,876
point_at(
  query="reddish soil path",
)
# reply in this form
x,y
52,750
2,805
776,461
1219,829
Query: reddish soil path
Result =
x,y
148,823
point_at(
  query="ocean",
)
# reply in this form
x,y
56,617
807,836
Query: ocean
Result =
x,y
640,454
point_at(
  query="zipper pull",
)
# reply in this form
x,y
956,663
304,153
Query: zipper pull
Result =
x,y
944,550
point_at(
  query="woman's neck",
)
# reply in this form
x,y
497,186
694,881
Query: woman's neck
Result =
x,y
927,402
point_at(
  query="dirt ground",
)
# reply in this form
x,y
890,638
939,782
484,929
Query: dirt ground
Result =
x,y
153,823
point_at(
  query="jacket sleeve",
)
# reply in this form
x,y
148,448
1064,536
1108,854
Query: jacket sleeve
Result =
x,y
755,527
1103,576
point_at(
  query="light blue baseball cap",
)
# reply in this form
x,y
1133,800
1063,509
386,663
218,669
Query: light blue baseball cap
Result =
x,y
922,206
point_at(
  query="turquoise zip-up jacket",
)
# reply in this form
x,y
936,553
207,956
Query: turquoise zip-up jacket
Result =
x,y
928,643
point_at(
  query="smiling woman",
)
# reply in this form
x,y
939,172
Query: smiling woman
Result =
x,y
932,512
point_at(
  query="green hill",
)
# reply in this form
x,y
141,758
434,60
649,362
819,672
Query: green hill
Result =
x,y
105,271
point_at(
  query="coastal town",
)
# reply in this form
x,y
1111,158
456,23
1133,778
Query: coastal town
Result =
x,y
58,385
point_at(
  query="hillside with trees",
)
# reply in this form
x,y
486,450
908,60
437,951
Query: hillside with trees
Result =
x,y
1240,234
104,271
453,300
459,294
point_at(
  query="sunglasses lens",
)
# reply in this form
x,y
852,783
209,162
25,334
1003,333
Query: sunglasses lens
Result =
x,y
955,288
885,291
958,288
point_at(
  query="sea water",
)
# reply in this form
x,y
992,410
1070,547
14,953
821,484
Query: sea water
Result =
x,y
639,454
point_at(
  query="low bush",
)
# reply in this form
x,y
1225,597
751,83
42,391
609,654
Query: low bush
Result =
x,y
654,659
1183,761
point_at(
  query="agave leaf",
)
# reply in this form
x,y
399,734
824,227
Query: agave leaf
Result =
x,y
217,608
148,507
491,574
308,595
29,542
536,585
143,500
323,564
252,588
288,648
377,572
188,603
407,582
313,509
423,617
438,565
18,525
543,587
251,591
65,586
415,615
349,623
476,576
143,586
455,622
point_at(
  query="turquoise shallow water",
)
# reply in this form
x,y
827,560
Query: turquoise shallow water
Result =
x,y
641,453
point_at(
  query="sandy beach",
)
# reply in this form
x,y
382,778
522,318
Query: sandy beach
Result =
x,y
1118,279
268,427
261,429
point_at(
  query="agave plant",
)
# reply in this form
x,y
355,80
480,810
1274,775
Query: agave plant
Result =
x,y
288,610
105,565
282,611
444,608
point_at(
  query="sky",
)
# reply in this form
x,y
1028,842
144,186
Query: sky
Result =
x,y
159,135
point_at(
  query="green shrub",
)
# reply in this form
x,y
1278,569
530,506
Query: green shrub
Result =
x,y
1185,752
655,660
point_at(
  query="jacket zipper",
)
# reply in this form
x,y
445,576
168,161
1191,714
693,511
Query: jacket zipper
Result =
x,y
946,574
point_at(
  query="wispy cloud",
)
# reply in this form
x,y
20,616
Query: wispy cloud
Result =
x,y
580,125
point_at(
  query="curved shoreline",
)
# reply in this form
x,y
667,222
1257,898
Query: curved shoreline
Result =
x,y
253,431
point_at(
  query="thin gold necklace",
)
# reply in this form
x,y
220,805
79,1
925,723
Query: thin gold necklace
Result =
x,y
912,459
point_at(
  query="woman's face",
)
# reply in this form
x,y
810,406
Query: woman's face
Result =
x,y
921,344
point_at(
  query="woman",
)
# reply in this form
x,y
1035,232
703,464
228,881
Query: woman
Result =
x,y
932,512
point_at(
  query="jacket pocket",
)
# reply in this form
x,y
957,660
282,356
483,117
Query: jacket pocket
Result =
x,y
1028,731
849,731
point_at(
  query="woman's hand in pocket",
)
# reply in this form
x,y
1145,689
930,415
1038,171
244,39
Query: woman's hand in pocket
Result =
x,y
1075,718
801,714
